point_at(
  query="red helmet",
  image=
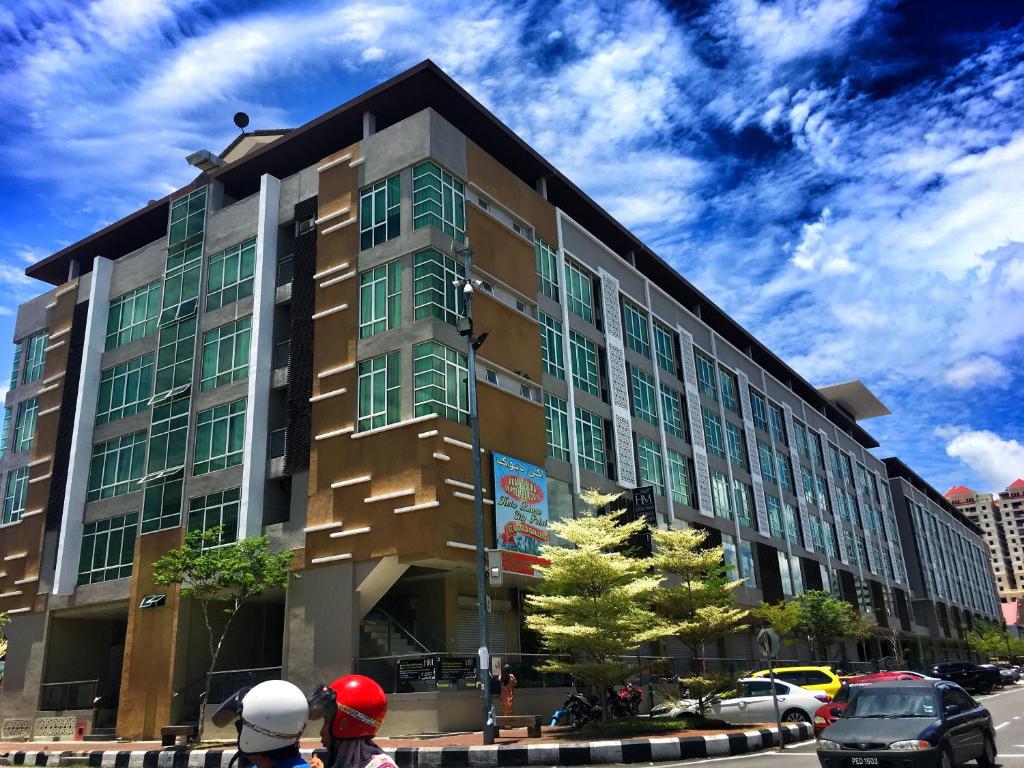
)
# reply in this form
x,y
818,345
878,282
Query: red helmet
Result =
x,y
358,704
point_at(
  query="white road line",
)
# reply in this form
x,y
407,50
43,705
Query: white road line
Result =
x,y
1002,725
789,752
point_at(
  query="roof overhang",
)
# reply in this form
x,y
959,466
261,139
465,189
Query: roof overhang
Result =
x,y
856,399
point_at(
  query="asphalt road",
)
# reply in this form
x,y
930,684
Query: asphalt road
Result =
x,y
1006,706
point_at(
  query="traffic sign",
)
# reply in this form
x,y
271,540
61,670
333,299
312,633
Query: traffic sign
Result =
x,y
768,643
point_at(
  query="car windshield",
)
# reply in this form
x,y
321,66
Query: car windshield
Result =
x,y
891,703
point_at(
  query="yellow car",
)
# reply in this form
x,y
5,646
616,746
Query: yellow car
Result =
x,y
812,678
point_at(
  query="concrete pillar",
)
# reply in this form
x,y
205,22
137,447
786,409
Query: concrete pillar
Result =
x,y
321,637
23,673
369,124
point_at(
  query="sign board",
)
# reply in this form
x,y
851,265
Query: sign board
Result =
x,y
520,512
642,505
496,666
417,670
152,601
768,643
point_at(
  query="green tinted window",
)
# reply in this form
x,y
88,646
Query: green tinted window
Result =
x,y
125,389
220,437
133,315
556,424
14,496
583,354
226,353
440,381
648,457
116,466
231,274
590,441
380,299
35,361
215,510
438,200
547,269
635,322
645,401
434,291
108,548
579,291
551,346
380,384
25,426
380,212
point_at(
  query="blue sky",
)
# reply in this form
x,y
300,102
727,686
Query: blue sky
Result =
x,y
845,177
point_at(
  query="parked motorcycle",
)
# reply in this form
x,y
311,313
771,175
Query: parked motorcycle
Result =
x,y
624,701
576,711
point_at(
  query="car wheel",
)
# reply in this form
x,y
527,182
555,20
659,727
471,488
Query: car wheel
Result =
x,y
795,716
946,759
983,687
987,759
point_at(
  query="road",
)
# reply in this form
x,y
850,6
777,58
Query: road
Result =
x,y
1006,706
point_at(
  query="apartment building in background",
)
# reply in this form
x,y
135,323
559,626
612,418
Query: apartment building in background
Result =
x,y
273,349
1000,516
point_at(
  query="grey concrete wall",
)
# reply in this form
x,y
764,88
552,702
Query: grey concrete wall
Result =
x,y
231,225
32,316
23,671
139,268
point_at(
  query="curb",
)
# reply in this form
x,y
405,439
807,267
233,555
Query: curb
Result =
x,y
504,756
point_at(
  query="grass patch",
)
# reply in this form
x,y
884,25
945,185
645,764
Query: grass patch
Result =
x,y
626,727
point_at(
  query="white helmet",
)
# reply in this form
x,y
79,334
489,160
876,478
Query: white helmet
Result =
x,y
273,716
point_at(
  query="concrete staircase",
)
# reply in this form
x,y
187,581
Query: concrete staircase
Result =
x,y
375,628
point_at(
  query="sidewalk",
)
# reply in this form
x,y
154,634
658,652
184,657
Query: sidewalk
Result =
x,y
555,747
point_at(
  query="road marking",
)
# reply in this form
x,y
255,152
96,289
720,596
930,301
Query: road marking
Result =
x,y
790,752
1002,725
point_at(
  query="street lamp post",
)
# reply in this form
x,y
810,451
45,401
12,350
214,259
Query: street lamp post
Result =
x,y
465,327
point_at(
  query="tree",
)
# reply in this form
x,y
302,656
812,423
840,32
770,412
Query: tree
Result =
x,y
224,574
5,619
780,617
893,639
698,603
594,603
992,641
823,618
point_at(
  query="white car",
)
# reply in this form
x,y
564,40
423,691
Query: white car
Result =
x,y
753,703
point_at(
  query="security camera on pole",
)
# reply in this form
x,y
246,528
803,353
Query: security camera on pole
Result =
x,y
464,324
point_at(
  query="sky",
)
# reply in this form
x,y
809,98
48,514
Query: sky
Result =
x,y
844,177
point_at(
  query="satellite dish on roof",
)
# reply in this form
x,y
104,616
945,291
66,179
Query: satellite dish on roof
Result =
x,y
241,120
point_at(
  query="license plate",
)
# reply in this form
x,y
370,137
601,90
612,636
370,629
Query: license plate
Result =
x,y
863,761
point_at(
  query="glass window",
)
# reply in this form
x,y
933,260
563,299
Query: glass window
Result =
x,y
214,510
578,289
556,423
434,291
35,360
125,389
547,269
645,401
797,575
759,410
737,451
108,548
706,376
742,498
220,437
665,348
175,357
767,459
380,297
808,484
133,315
438,200
815,442
720,494
774,516
116,466
635,322
816,538
789,515
379,212
713,434
583,355
727,381
823,495
748,563
6,432
590,441
551,346
440,381
188,217
161,505
679,478
777,424
732,571
25,426
231,274
14,497
834,462
168,438
648,454
847,470
782,464
801,440
672,411
380,385
181,281
16,365
785,573
226,353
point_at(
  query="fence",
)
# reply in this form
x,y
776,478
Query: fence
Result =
x,y
223,684
76,694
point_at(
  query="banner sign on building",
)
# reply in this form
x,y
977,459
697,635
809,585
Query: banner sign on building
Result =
x,y
520,513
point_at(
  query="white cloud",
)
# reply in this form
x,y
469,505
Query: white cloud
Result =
x,y
996,461
979,371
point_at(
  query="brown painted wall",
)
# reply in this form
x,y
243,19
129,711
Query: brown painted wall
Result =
x,y
501,252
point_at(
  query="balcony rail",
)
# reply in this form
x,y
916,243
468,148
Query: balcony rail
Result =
x,y
74,694
285,269
278,443
226,682
282,354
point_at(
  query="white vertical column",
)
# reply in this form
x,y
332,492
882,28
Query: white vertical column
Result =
x,y
574,456
798,488
700,449
755,460
261,349
618,387
69,544
830,479
666,471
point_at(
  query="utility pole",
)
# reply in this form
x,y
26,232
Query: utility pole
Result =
x,y
465,327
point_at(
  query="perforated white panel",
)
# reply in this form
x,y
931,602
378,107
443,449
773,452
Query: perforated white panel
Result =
x,y
700,451
618,386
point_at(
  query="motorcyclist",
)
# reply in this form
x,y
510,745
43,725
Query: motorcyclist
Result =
x,y
352,708
270,719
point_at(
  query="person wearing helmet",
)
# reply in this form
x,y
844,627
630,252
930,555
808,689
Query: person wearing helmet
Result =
x,y
352,708
270,719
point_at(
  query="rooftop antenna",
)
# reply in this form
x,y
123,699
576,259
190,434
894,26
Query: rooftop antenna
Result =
x,y
241,120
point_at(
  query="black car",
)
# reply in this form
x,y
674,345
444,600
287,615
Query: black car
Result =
x,y
909,723
968,676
